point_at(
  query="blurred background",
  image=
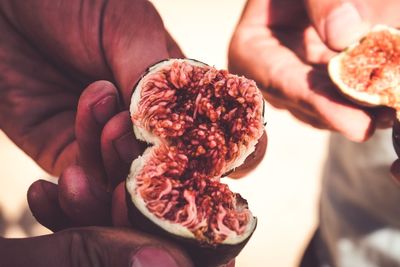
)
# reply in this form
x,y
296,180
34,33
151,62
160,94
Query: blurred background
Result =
x,y
283,192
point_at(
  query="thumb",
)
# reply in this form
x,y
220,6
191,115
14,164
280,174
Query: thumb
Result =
x,y
92,246
120,247
338,23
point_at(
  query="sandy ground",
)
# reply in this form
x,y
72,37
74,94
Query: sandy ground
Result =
x,y
282,192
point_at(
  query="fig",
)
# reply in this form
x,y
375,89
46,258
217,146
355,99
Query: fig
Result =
x,y
201,123
368,72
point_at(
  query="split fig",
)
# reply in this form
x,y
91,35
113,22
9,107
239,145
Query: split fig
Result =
x,y
201,123
368,72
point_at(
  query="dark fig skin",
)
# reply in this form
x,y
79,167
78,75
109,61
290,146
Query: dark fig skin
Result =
x,y
202,255
396,136
253,160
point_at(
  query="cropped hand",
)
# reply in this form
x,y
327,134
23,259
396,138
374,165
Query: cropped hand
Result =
x,y
52,50
286,45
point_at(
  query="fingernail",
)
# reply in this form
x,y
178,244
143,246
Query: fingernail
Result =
x,y
128,148
343,26
104,109
152,257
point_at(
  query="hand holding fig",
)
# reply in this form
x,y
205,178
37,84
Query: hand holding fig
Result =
x,y
83,194
52,50
81,198
285,47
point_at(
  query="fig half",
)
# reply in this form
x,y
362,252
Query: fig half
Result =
x,y
368,72
201,123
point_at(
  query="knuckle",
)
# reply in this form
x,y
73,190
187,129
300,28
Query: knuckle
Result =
x,y
84,250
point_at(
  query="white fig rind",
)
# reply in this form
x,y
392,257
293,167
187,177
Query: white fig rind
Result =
x,y
334,70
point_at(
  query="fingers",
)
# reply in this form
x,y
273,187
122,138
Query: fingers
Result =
x,y
119,148
97,104
313,121
353,121
301,111
311,90
133,38
43,202
338,23
84,201
119,208
81,197
299,86
76,201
